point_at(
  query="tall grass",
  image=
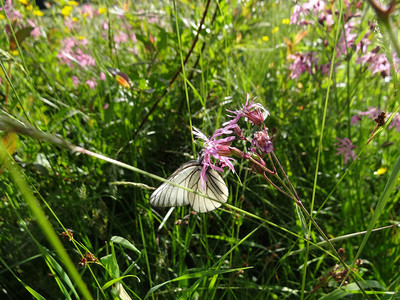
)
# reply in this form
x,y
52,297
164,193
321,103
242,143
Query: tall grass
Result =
x,y
83,146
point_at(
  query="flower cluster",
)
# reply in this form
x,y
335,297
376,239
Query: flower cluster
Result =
x,y
313,7
307,62
218,149
349,41
19,20
75,51
345,147
373,113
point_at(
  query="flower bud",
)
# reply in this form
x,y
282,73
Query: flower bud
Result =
x,y
237,153
256,168
238,132
224,150
256,116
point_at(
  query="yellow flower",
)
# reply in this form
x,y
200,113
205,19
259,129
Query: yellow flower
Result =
x,y
380,171
29,7
285,21
80,37
102,10
15,52
38,12
24,2
2,17
75,19
73,3
275,29
66,10
265,38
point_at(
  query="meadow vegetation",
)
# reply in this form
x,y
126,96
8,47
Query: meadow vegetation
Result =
x,y
99,100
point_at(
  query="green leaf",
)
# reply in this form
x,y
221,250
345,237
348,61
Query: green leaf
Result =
x,y
62,274
110,263
125,243
20,36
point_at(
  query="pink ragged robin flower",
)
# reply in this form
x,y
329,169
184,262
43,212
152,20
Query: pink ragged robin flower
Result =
x,y
91,83
262,141
355,119
395,122
217,149
303,62
120,38
371,113
254,113
75,80
35,31
345,147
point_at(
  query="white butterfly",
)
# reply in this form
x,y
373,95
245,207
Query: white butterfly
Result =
x,y
188,175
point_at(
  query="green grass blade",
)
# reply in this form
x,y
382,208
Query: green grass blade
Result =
x,y
200,275
35,294
115,280
384,198
45,225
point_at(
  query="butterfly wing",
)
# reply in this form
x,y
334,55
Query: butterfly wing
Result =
x,y
215,188
167,195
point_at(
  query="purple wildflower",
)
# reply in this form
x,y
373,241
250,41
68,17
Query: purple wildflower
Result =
x,y
69,23
348,39
133,37
88,11
303,63
294,18
262,141
253,112
120,38
215,148
75,80
72,52
12,13
326,68
312,7
91,83
395,122
35,31
363,44
345,147
378,62
371,113
355,119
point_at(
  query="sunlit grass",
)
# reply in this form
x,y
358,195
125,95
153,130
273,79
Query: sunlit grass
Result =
x,y
101,100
